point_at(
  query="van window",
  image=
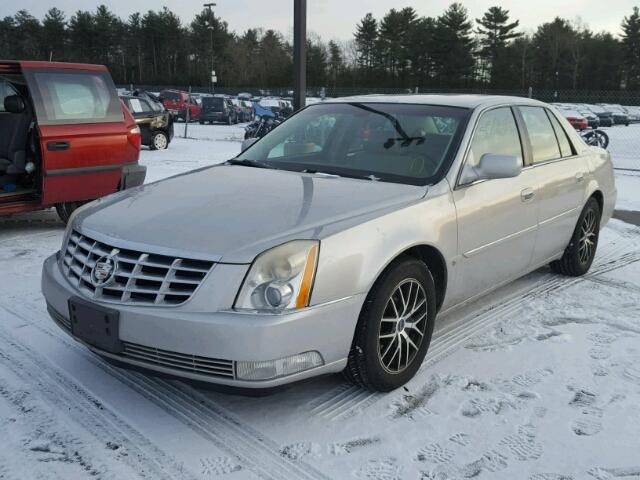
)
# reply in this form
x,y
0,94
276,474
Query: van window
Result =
x,y
74,97
541,134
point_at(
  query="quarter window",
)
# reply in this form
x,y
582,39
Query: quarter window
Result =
x,y
544,144
561,134
495,133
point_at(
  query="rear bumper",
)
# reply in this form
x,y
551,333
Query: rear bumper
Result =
x,y
172,339
133,175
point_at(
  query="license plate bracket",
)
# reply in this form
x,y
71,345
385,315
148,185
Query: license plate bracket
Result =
x,y
95,325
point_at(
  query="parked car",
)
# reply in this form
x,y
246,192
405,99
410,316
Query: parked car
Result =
x,y
248,112
218,109
65,137
576,120
178,102
620,117
634,113
156,127
604,115
366,217
592,119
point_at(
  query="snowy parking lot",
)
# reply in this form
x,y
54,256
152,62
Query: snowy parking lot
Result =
x,y
540,380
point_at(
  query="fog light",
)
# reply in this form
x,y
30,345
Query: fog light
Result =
x,y
281,367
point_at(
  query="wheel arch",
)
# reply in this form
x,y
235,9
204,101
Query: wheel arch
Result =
x,y
435,262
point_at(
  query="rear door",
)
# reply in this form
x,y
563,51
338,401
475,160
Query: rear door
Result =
x,y
562,181
83,136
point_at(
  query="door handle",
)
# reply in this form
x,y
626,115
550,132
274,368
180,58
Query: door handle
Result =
x,y
580,177
527,194
57,146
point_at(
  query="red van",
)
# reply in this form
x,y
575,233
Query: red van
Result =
x,y
177,102
65,137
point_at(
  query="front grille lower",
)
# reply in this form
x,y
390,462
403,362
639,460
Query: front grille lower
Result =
x,y
179,361
206,366
139,278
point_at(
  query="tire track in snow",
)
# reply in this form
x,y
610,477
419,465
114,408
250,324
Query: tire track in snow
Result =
x,y
247,446
57,388
348,400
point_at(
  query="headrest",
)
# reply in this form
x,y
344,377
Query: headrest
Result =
x,y
14,104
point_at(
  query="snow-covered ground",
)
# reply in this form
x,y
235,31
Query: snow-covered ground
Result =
x,y
539,381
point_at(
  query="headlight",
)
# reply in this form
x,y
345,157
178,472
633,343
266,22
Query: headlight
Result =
x,y
281,278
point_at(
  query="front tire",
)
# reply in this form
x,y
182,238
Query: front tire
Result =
x,y
394,328
579,254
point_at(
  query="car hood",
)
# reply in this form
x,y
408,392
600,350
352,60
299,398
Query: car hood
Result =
x,y
232,213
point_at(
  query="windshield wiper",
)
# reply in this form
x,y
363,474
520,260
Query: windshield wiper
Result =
x,y
312,171
249,163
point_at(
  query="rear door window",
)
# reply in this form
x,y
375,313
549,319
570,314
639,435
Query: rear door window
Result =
x,y
64,97
544,143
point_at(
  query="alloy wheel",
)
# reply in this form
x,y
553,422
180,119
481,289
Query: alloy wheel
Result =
x,y
587,242
402,327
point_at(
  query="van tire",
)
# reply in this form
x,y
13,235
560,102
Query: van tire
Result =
x,y
65,209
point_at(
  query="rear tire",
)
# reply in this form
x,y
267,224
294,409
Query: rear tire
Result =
x,y
579,254
394,328
159,141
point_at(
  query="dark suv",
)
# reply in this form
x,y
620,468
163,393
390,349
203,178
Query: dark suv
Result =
x,y
218,109
156,124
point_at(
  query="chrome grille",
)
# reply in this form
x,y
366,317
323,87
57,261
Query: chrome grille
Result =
x,y
139,278
179,361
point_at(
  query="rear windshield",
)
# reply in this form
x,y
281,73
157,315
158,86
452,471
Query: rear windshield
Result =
x,y
66,96
398,143
213,103
173,96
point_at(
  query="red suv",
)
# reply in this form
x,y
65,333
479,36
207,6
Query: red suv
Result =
x,y
65,137
177,102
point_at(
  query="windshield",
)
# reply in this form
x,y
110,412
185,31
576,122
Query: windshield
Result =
x,y
399,143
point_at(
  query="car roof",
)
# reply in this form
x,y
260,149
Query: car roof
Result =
x,y
448,100
28,64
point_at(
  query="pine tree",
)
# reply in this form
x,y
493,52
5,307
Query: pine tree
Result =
x,y
54,35
336,62
453,47
366,37
496,32
631,44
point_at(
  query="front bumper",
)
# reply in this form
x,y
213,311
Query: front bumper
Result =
x,y
224,337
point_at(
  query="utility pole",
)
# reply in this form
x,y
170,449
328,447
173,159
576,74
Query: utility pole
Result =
x,y
299,54
211,27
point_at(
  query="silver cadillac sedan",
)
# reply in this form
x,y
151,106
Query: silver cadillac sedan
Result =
x,y
331,244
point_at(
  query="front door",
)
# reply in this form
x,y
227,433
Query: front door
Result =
x,y
83,136
497,219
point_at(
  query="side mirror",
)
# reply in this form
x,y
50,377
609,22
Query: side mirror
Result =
x,y
492,166
247,143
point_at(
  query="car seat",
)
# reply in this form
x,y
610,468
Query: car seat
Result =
x,y
14,131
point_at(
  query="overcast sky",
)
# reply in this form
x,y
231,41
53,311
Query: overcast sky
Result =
x,y
336,19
